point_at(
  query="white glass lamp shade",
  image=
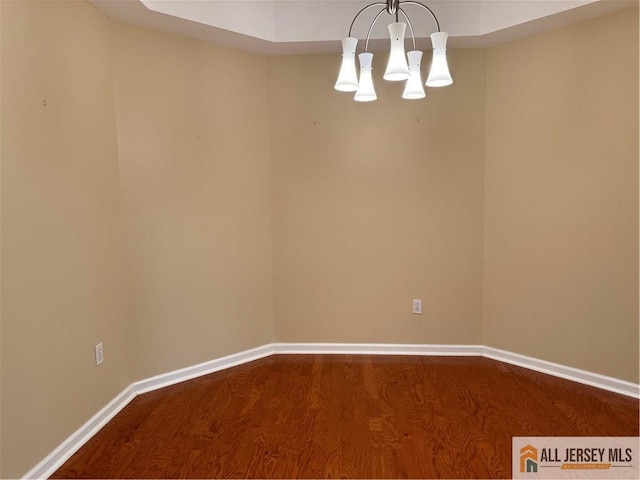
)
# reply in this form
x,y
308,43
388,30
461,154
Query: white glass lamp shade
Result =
x,y
413,88
439,75
348,78
366,92
397,68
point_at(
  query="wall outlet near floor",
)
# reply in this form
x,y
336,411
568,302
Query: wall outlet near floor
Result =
x,y
417,307
99,354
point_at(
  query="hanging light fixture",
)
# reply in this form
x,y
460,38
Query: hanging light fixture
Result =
x,y
439,75
413,88
365,92
398,68
348,78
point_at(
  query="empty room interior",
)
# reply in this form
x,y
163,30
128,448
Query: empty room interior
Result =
x,y
214,264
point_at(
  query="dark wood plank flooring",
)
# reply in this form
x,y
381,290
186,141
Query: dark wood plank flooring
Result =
x,y
343,416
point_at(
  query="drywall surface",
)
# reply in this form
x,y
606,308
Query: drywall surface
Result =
x,y
196,193
375,205
61,245
561,196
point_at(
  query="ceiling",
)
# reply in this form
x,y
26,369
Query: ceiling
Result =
x,y
316,26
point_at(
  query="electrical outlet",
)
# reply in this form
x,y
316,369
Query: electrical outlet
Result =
x,y
99,354
417,307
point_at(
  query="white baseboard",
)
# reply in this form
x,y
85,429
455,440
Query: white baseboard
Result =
x,y
72,444
557,370
377,349
66,449
184,374
569,373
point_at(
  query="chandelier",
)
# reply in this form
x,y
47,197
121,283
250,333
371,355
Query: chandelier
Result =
x,y
400,67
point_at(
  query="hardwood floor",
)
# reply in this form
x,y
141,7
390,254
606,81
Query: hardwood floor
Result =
x,y
343,416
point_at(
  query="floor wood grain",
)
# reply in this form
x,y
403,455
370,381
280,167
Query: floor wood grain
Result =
x,y
347,416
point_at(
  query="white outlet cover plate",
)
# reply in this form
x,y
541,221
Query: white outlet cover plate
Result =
x,y
99,354
417,307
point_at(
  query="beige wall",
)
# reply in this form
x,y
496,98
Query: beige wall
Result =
x,y
196,189
0,247
186,186
376,204
147,216
61,252
561,196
